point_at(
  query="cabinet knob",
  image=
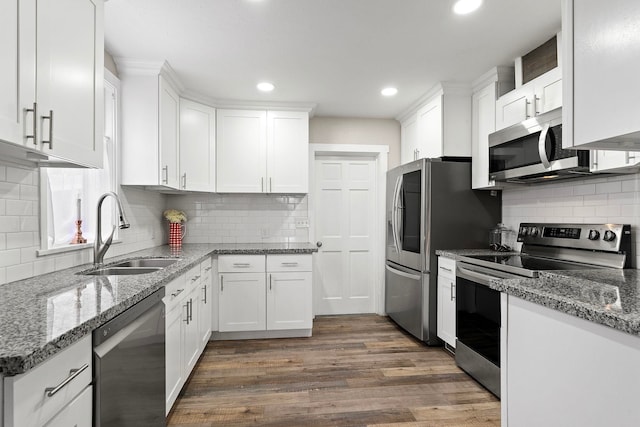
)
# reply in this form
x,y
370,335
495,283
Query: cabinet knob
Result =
x,y
319,244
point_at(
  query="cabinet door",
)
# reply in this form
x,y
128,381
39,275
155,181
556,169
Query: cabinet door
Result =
x,y
446,310
548,91
241,165
77,413
197,146
70,57
289,301
242,302
408,139
606,160
17,74
174,344
192,335
513,107
483,123
430,129
605,48
205,311
168,134
287,152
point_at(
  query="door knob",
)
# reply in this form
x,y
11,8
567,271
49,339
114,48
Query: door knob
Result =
x,y
319,244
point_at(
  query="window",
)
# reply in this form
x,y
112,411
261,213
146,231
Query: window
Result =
x,y
70,194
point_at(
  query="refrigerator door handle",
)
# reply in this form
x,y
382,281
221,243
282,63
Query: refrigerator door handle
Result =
x,y
394,215
397,212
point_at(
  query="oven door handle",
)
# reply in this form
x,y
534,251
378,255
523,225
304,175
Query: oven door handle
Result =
x,y
402,273
542,146
481,278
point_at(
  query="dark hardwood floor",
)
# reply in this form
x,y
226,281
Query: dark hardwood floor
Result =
x,y
354,371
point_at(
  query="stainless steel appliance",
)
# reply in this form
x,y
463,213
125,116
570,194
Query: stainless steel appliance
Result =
x,y
430,205
129,367
546,247
531,151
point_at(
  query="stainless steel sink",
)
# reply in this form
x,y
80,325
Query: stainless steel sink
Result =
x,y
120,271
132,266
147,262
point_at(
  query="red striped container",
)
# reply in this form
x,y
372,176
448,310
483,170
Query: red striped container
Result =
x,y
175,234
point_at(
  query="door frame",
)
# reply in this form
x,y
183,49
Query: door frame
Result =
x,y
380,154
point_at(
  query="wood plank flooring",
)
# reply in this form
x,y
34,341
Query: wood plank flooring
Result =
x,y
355,371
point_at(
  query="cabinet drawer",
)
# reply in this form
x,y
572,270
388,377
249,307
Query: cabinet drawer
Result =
x,y
241,264
174,292
77,413
27,396
205,266
279,263
446,267
193,276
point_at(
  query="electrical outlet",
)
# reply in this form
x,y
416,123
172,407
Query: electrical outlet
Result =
x,y
302,223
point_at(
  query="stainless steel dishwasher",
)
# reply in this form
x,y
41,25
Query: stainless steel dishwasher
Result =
x,y
129,367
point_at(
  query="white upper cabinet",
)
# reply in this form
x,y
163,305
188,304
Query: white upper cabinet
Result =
x,y
440,126
242,151
262,152
538,96
483,121
197,146
43,43
150,125
288,151
602,47
409,139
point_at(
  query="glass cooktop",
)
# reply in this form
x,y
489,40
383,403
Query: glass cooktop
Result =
x,y
529,263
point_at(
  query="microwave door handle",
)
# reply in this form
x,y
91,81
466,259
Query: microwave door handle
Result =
x,y
542,146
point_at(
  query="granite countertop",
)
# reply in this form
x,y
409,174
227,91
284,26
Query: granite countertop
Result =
x,y
42,315
609,297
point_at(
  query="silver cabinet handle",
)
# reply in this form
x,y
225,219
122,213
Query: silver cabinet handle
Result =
x,y
535,105
178,292
289,264
187,307
270,186
33,110
193,279
184,181
204,300
50,118
262,184
453,291
50,391
241,264
270,282
221,283
207,269
446,269
190,309
526,109
165,174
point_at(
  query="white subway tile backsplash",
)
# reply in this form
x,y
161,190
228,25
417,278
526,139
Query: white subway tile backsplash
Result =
x,y
19,240
19,207
19,272
9,257
609,187
19,175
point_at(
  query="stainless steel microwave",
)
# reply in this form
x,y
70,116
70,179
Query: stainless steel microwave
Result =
x,y
531,151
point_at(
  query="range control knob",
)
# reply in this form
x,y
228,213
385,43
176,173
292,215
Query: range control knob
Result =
x,y
533,231
609,236
594,234
524,231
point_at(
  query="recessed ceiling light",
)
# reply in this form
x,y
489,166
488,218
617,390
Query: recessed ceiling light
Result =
x,y
462,7
265,87
389,91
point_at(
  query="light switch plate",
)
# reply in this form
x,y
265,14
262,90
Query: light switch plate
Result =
x,y
302,223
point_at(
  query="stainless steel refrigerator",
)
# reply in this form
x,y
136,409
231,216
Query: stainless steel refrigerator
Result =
x,y
430,206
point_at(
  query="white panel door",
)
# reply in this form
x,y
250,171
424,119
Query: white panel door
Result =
x,y
287,152
345,201
241,139
169,149
197,146
17,74
70,55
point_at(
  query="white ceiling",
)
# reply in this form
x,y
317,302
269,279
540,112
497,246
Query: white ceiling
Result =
x,y
337,54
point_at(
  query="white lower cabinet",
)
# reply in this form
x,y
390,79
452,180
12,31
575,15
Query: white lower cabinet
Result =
x,y
447,300
184,328
258,293
41,396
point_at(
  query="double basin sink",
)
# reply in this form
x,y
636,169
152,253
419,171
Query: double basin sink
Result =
x,y
132,266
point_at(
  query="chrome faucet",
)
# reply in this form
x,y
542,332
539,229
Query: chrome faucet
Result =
x,y
100,247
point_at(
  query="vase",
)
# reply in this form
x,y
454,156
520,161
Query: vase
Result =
x,y
176,232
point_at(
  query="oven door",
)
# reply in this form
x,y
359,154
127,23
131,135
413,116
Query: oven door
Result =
x,y
478,324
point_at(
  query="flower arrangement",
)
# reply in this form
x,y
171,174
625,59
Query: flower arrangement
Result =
x,y
175,216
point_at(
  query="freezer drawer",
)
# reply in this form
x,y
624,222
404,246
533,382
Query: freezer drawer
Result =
x,y
403,298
